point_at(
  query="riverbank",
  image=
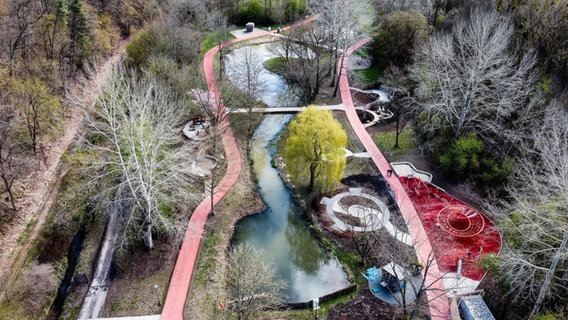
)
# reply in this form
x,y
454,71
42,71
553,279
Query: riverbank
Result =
x,y
242,200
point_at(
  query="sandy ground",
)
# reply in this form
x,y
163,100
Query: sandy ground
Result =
x,y
38,187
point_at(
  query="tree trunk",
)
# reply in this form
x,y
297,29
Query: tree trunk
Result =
x,y
398,131
53,35
334,61
549,276
8,185
312,176
339,75
211,190
220,63
148,235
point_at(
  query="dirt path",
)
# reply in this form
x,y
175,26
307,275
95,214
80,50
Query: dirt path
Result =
x,y
43,185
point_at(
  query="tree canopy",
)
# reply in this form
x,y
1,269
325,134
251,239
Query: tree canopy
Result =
x,y
139,120
534,262
314,150
469,80
397,38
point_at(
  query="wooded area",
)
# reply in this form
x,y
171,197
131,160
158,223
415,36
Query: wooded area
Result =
x,y
483,84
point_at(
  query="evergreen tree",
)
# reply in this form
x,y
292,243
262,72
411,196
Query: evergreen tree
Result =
x,y
79,31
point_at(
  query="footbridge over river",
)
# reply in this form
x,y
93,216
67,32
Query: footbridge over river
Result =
x,y
337,107
376,116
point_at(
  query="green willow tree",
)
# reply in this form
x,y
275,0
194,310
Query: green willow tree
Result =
x,y
314,150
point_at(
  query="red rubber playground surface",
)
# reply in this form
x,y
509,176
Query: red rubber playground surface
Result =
x,y
456,230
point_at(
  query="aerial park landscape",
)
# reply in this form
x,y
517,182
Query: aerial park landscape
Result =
x,y
282,159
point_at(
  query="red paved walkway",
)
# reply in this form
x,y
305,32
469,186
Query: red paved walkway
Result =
x,y
183,270
436,294
181,277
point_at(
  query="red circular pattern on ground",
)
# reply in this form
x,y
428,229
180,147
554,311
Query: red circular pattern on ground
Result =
x,y
455,233
460,221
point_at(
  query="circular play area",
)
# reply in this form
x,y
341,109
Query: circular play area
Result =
x,y
457,231
368,211
347,212
460,221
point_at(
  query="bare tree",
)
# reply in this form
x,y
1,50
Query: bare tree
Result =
x,y
302,54
419,285
218,22
343,22
8,149
23,14
469,80
399,102
138,127
434,8
430,8
61,11
248,284
536,223
215,107
363,235
37,106
246,76
246,73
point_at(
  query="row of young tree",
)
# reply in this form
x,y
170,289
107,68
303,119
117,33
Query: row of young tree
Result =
x,y
484,85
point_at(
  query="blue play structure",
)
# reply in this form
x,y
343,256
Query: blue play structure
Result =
x,y
372,274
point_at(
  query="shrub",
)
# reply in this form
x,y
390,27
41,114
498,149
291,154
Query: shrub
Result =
x,y
468,159
294,9
252,11
399,35
462,158
139,51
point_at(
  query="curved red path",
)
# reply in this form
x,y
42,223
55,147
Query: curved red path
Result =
x,y
436,294
183,270
181,277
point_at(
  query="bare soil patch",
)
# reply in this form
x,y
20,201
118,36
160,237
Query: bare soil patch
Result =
x,y
360,98
138,270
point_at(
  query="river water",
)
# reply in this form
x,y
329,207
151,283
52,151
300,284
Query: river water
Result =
x,y
280,231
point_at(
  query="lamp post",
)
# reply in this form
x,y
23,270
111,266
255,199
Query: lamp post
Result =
x,y
315,305
155,286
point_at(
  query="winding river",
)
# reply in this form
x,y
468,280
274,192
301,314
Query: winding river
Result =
x,y
280,231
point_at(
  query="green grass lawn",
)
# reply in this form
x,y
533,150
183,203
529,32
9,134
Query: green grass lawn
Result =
x,y
385,141
369,75
274,64
211,40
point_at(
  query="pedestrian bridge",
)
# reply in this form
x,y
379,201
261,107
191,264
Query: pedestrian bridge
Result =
x,y
283,109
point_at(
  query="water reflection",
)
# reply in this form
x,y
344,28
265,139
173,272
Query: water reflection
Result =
x,y
274,87
280,230
307,254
